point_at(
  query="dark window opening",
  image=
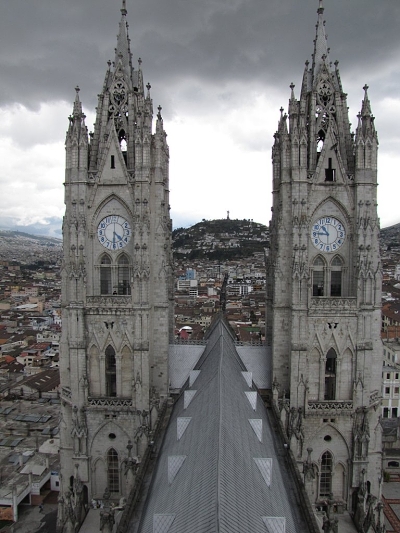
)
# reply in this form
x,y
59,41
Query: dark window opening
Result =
x,y
336,277
330,173
330,375
318,277
105,275
113,471
393,464
111,372
336,284
385,412
394,412
325,483
318,284
113,161
123,276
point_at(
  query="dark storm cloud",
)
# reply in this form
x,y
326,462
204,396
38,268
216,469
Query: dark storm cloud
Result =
x,y
47,47
221,69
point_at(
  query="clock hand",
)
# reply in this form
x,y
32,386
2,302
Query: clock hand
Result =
x,y
325,231
116,234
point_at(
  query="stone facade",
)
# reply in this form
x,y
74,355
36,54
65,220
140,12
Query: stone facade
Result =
x,y
117,287
324,286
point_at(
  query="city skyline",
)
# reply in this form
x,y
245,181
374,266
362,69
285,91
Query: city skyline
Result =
x,y
221,71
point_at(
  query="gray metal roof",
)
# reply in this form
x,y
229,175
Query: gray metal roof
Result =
x,y
221,468
258,361
182,359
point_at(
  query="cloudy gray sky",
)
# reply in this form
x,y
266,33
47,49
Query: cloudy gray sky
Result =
x,y
221,69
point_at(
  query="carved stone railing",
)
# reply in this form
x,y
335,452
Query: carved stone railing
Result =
x,y
109,301
245,343
195,342
333,304
110,402
331,405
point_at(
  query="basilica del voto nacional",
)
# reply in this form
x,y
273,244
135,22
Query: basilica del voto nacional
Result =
x,y
279,437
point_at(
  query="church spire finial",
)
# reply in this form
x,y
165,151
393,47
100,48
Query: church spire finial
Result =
x,y
77,103
123,10
366,105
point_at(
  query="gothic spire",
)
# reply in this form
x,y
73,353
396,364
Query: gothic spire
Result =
x,y
122,50
366,126
321,43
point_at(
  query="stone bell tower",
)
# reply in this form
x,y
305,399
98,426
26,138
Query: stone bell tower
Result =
x,y
324,286
117,286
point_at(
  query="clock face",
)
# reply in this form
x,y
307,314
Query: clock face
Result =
x,y
328,234
114,232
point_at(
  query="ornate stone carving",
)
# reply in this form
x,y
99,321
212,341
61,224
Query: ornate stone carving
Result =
x,y
110,402
109,301
333,304
331,406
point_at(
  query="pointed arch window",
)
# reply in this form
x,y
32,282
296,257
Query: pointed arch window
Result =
x,y
318,276
114,275
336,276
330,375
111,372
113,470
325,480
123,275
105,275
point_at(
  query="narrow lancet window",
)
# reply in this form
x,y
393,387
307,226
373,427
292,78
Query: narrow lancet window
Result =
x,y
113,470
105,275
325,483
111,372
123,275
336,277
330,375
318,277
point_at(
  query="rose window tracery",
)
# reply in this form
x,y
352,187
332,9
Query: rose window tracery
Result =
x,y
118,108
